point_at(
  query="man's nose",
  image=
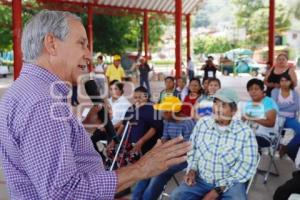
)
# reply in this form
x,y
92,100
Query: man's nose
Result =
x,y
88,55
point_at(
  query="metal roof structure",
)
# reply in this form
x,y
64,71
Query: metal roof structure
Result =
x,y
158,6
178,8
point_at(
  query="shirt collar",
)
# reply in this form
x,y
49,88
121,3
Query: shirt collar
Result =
x,y
35,70
213,125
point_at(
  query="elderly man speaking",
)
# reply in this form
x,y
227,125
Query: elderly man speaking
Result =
x,y
46,152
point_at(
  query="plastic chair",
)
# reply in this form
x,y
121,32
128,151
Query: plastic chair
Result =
x,y
274,142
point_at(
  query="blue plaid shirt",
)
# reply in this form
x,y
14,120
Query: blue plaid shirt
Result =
x,y
45,151
223,157
174,129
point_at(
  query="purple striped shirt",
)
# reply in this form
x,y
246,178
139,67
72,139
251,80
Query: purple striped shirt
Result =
x,y
45,151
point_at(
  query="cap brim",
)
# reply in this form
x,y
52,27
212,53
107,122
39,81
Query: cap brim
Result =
x,y
224,99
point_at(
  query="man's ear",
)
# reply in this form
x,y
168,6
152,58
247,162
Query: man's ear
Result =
x,y
50,44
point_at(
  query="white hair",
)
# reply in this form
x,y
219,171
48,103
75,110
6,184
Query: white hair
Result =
x,y
55,22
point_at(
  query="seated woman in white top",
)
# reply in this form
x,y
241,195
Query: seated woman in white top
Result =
x,y
288,102
119,103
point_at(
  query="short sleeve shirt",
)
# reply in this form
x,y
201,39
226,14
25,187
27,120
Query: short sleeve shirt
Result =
x,y
115,73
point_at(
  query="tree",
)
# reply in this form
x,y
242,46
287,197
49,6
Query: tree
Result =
x,y
115,35
212,44
245,10
259,26
112,35
297,10
254,16
6,31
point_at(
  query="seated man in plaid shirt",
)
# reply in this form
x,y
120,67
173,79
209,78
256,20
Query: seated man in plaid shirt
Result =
x,y
175,124
223,157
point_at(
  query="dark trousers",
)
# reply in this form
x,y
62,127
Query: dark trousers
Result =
x,y
191,74
290,187
145,79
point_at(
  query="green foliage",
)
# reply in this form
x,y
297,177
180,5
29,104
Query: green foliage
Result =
x,y
109,33
245,10
6,28
211,44
258,26
254,16
6,32
116,35
297,10
112,35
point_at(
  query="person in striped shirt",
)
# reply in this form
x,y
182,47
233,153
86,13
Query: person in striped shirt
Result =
x,y
223,156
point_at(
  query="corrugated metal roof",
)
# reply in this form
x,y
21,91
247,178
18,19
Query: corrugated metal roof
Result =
x,y
160,6
133,6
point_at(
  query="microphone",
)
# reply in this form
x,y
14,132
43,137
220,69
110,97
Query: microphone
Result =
x,y
92,91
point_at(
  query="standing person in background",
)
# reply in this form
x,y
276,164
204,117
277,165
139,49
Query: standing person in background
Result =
x,y
190,68
115,71
100,74
209,68
274,74
144,70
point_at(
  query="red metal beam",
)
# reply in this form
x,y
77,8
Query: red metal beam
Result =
x,y
90,32
146,30
188,36
17,31
271,32
178,28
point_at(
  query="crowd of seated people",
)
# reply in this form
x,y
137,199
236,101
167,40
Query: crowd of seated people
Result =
x,y
225,147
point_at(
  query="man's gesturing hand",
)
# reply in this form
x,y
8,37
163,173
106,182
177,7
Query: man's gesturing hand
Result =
x,y
156,161
163,156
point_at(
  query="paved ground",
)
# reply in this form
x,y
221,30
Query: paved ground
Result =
x,y
258,190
